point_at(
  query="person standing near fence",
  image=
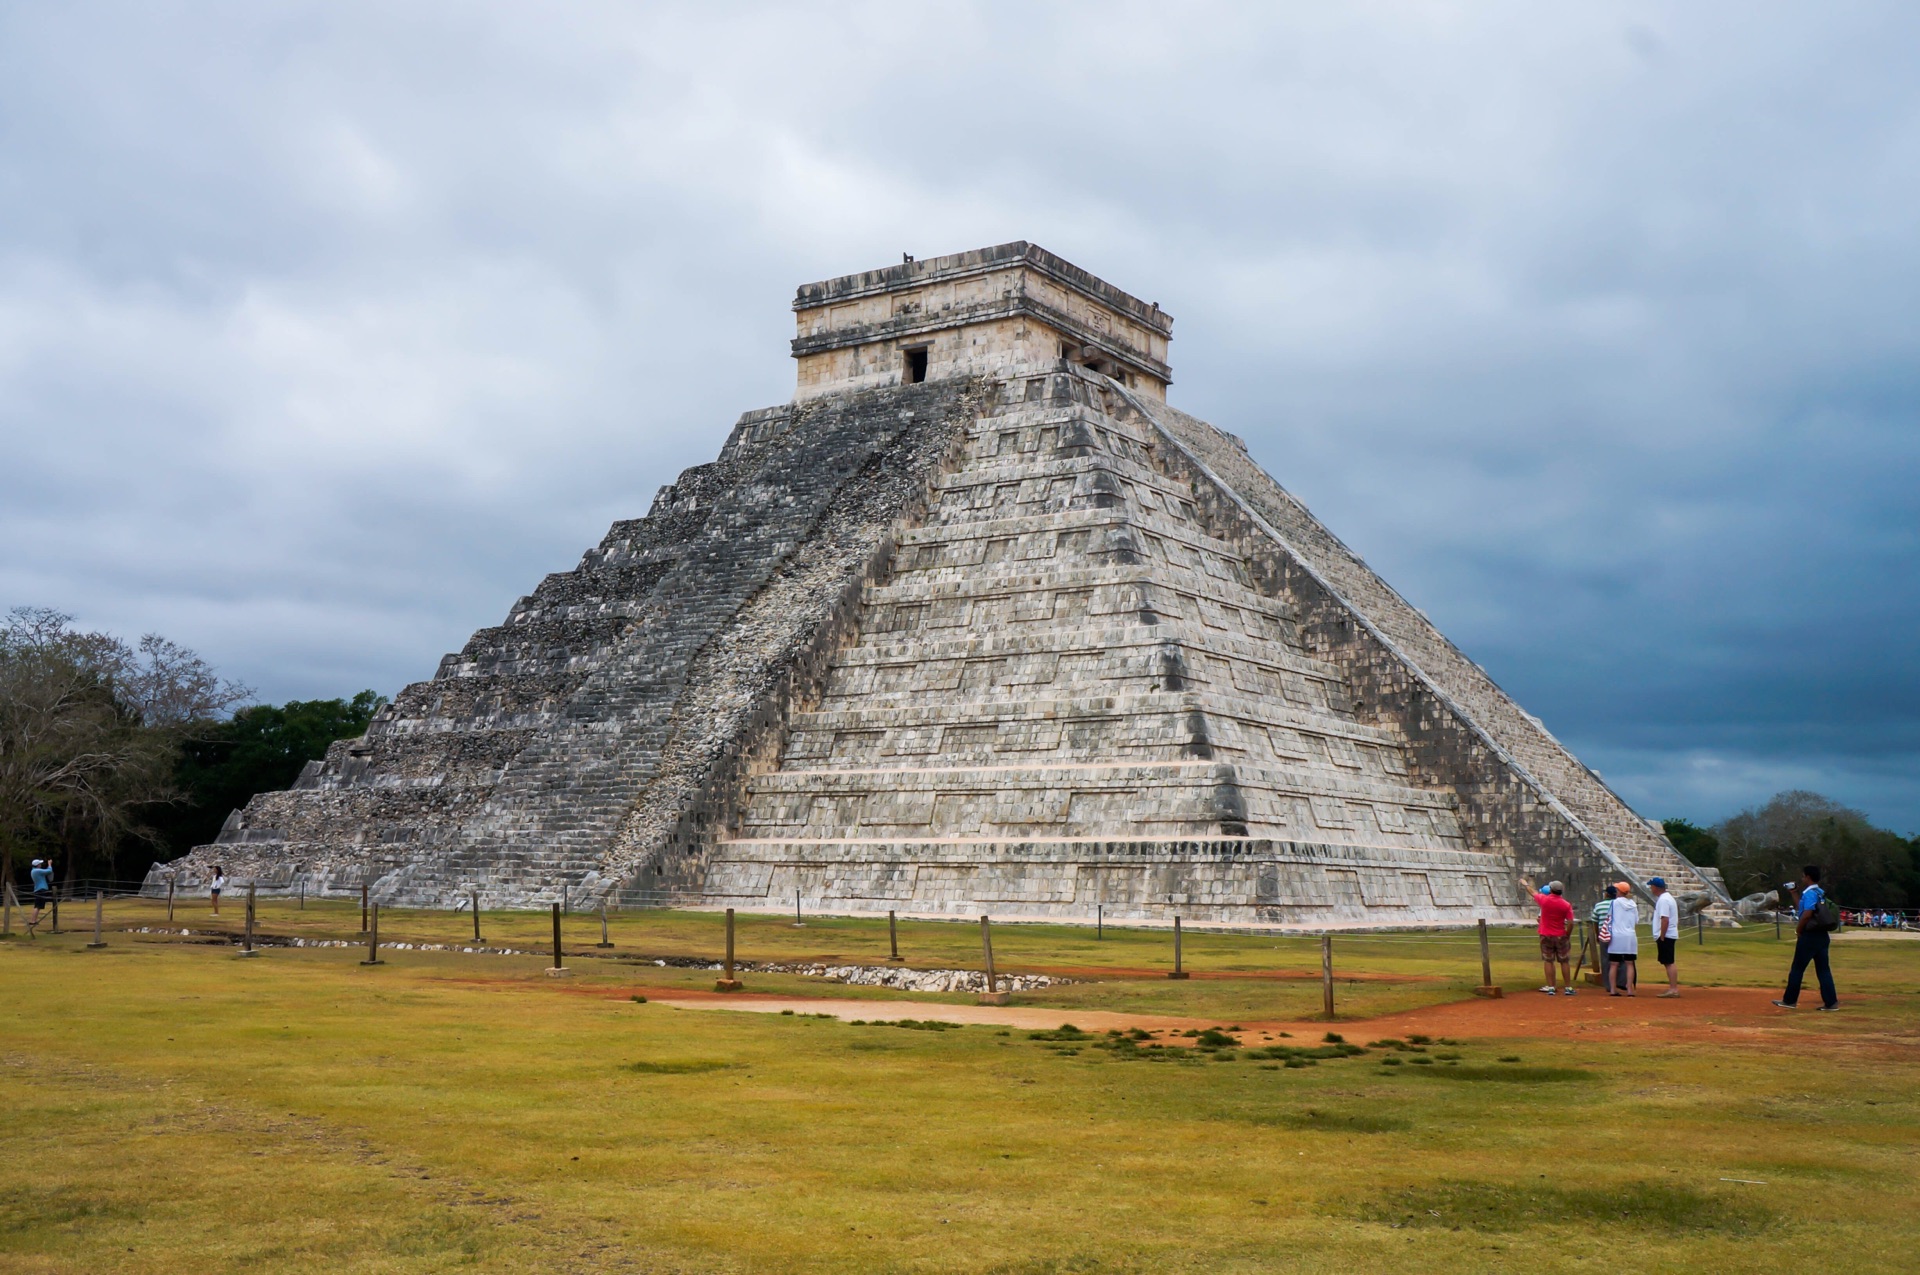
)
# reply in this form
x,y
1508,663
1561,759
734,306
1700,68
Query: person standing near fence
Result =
x,y
1556,941
219,884
1666,932
41,874
1812,938
1601,911
1623,944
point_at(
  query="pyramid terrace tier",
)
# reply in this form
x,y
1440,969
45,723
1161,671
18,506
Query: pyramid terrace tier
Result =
x,y
1041,596
1119,536
1254,881
1055,485
1092,729
1168,799
1116,659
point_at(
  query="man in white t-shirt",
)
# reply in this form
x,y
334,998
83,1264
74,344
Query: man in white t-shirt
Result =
x,y
1666,931
1623,945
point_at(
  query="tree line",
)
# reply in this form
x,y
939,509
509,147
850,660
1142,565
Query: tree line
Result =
x,y
113,756
1759,848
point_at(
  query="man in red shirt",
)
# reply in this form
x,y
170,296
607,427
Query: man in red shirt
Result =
x,y
1556,924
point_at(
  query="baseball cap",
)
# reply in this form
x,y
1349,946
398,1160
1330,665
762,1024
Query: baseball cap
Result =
x,y
1622,888
1659,881
1554,887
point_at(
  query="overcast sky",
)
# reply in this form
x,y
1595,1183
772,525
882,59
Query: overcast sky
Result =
x,y
326,330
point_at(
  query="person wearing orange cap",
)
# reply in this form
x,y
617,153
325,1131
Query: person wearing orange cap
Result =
x,y
1623,945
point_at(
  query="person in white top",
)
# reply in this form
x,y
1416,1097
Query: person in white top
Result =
x,y
1666,931
1623,945
219,884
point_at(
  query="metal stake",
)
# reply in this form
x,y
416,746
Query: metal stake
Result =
x,y
1700,928
797,922
559,969
1176,972
99,905
1099,921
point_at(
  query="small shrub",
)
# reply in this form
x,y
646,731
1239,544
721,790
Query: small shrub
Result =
x,y
1389,1061
1509,1058
1334,1038
1414,1038
638,999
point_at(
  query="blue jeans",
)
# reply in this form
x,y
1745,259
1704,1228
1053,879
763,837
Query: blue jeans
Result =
x,y
1811,946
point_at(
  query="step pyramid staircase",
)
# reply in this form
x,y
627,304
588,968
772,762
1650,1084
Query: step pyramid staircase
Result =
x,y
1069,696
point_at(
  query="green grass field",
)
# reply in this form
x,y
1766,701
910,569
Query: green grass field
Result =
x,y
173,1108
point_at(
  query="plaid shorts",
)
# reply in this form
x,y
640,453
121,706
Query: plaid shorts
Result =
x,y
1556,947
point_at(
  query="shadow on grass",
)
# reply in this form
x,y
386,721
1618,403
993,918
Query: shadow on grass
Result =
x,y
1338,1121
676,1068
1509,1075
1493,1206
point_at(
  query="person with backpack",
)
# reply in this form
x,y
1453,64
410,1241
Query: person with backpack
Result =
x,y
1812,937
1601,911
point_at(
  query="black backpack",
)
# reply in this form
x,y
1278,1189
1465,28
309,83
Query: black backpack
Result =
x,y
1826,913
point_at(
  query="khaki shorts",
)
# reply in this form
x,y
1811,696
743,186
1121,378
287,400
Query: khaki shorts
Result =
x,y
1556,947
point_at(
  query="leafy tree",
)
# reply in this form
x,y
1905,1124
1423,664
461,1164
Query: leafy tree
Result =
x,y
90,729
261,749
1701,848
1863,866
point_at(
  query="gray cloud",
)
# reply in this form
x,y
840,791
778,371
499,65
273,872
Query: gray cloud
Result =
x,y
326,330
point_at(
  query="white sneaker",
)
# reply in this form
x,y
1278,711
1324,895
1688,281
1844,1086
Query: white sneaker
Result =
x,y
1547,990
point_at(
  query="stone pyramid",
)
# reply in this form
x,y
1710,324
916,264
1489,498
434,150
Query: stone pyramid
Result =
x,y
977,623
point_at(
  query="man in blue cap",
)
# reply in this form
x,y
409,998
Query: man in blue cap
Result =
x,y
1666,930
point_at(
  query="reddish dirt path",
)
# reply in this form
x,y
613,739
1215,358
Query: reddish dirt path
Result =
x,y
1720,1015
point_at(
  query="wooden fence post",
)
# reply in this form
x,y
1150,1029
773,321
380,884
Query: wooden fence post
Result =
x,y
170,885
893,936
1099,921
476,916
373,936
1326,975
797,922
6,906
1701,928
728,983
604,940
1486,988
99,906
364,894
993,995
246,945
559,969
1176,971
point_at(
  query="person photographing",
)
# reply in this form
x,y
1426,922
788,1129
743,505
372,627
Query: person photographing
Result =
x,y
1812,939
1556,943
41,874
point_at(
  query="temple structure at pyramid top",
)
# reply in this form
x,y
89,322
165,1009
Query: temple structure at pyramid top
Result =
x,y
977,623
980,313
